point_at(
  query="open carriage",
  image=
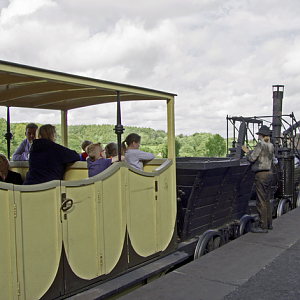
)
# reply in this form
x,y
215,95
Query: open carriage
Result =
x,y
62,236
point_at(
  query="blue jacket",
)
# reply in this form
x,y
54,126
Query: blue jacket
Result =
x,y
98,166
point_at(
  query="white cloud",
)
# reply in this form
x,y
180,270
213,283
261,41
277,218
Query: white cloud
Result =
x,y
19,8
220,57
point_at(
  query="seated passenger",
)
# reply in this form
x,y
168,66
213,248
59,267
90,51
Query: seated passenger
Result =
x,y
22,152
84,155
6,175
111,149
48,160
133,156
97,161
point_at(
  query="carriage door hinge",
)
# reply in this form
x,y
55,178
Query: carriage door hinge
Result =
x,y
99,198
101,260
15,210
125,181
18,288
156,189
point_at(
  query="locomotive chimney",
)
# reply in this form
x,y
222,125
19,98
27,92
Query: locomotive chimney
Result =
x,y
277,112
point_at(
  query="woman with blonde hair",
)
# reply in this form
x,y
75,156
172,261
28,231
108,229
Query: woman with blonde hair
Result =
x,y
48,160
6,175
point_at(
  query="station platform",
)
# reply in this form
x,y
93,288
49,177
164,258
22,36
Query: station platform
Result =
x,y
254,266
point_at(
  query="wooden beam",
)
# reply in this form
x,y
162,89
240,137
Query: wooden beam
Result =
x,y
64,128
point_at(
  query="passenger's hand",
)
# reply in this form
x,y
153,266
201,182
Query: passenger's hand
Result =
x,y
245,149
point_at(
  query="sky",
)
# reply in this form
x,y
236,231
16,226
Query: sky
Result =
x,y
221,57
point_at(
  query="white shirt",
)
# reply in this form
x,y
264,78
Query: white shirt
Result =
x,y
135,157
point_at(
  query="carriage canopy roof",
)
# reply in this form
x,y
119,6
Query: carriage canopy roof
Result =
x,y
30,87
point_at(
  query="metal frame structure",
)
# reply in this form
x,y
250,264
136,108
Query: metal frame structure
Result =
x,y
30,87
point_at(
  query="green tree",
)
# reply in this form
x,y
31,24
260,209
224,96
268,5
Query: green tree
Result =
x,y
3,147
146,149
215,146
154,141
164,149
193,145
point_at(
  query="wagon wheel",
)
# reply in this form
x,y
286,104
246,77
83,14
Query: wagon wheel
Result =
x,y
209,241
284,206
246,223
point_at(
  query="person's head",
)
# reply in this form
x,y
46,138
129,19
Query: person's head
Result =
x,y
30,132
4,163
85,143
95,151
48,132
111,149
132,140
264,133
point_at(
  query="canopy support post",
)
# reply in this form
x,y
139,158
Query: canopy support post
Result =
x,y
171,129
172,152
119,127
8,135
64,128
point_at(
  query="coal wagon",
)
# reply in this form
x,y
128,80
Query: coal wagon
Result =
x,y
216,196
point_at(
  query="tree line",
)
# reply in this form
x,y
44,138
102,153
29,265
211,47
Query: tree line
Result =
x,y
154,141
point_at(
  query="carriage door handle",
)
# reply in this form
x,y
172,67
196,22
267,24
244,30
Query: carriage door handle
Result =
x,y
66,204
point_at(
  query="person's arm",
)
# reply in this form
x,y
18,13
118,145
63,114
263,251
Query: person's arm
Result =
x,y
67,155
253,155
146,155
21,153
245,149
116,158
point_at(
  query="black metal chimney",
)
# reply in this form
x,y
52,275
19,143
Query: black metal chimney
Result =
x,y
277,112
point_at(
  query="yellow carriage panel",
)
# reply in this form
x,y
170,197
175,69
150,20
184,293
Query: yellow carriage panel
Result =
x,y
95,226
8,278
151,208
80,226
141,213
38,237
113,216
153,164
76,171
166,208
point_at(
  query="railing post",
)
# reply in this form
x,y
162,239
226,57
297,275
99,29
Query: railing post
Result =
x,y
8,135
119,127
64,127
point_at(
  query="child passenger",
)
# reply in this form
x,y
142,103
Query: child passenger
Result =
x,y
84,155
133,156
111,149
97,161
